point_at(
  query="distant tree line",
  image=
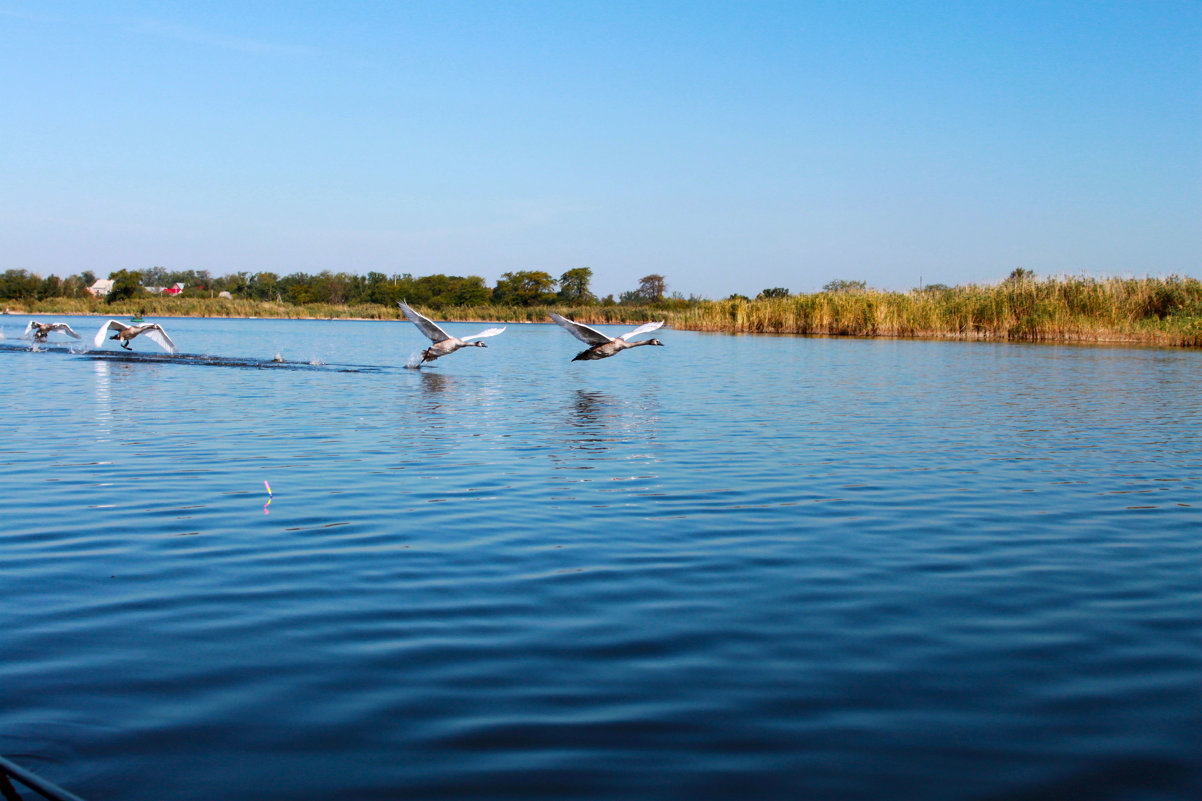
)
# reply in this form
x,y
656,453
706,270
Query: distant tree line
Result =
x,y
21,285
516,288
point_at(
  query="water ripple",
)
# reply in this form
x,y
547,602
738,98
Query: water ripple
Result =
x,y
903,569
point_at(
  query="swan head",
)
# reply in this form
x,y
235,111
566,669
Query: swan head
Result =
x,y
115,336
655,342
480,345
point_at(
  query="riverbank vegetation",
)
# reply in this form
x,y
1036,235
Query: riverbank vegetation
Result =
x,y
1148,310
1154,311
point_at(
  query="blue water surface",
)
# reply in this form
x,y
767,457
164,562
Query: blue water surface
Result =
x,y
733,567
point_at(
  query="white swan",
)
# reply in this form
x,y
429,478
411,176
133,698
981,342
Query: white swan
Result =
x,y
444,343
39,331
600,345
125,333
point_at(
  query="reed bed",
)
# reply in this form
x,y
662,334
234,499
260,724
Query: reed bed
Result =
x,y
1153,311
1139,311
242,307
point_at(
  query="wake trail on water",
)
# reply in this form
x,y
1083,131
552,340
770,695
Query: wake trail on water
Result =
x,y
276,362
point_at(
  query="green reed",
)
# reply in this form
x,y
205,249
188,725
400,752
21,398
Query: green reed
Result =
x,y
1157,311
1148,310
242,307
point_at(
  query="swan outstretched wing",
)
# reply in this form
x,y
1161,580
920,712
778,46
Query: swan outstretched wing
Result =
x,y
642,329
589,336
111,325
159,337
28,329
425,324
66,329
491,332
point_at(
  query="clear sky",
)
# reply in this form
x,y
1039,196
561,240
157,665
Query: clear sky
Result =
x,y
730,146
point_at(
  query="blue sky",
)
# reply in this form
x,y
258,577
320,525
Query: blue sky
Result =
x,y
728,146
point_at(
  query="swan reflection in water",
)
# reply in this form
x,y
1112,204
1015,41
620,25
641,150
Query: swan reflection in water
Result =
x,y
445,400
588,420
435,401
440,416
597,421
434,383
121,395
102,372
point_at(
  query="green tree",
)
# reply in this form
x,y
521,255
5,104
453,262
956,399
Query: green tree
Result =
x,y
470,291
380,289
260,286
295,289
155,276
328,287
934,289
574,286
19,284
1020,275
434,290
774,292
652,288
70,287
524,288
839,285
51,287
126,284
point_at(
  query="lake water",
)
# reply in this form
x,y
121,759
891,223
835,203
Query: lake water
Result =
x,y
733,567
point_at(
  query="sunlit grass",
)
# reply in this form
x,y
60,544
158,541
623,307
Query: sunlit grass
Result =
x,y
241,307
1151,310
1159,311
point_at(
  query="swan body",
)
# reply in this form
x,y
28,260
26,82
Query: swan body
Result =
x,y
153,331
602,346
39,331
443,343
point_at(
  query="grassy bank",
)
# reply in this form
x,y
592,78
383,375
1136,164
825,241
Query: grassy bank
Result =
x,y
1146,311
1149,311
241,307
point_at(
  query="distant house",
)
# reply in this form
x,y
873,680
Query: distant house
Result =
x,y
101,288
174,289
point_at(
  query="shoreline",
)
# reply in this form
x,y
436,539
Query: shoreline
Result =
x,y
1165,312
676,320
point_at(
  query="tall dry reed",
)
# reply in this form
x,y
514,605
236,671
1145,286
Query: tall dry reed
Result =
x,y
1155,311
1150,310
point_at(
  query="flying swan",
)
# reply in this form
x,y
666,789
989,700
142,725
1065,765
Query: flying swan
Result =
x,y
444,343
600,345
40,331
125,333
